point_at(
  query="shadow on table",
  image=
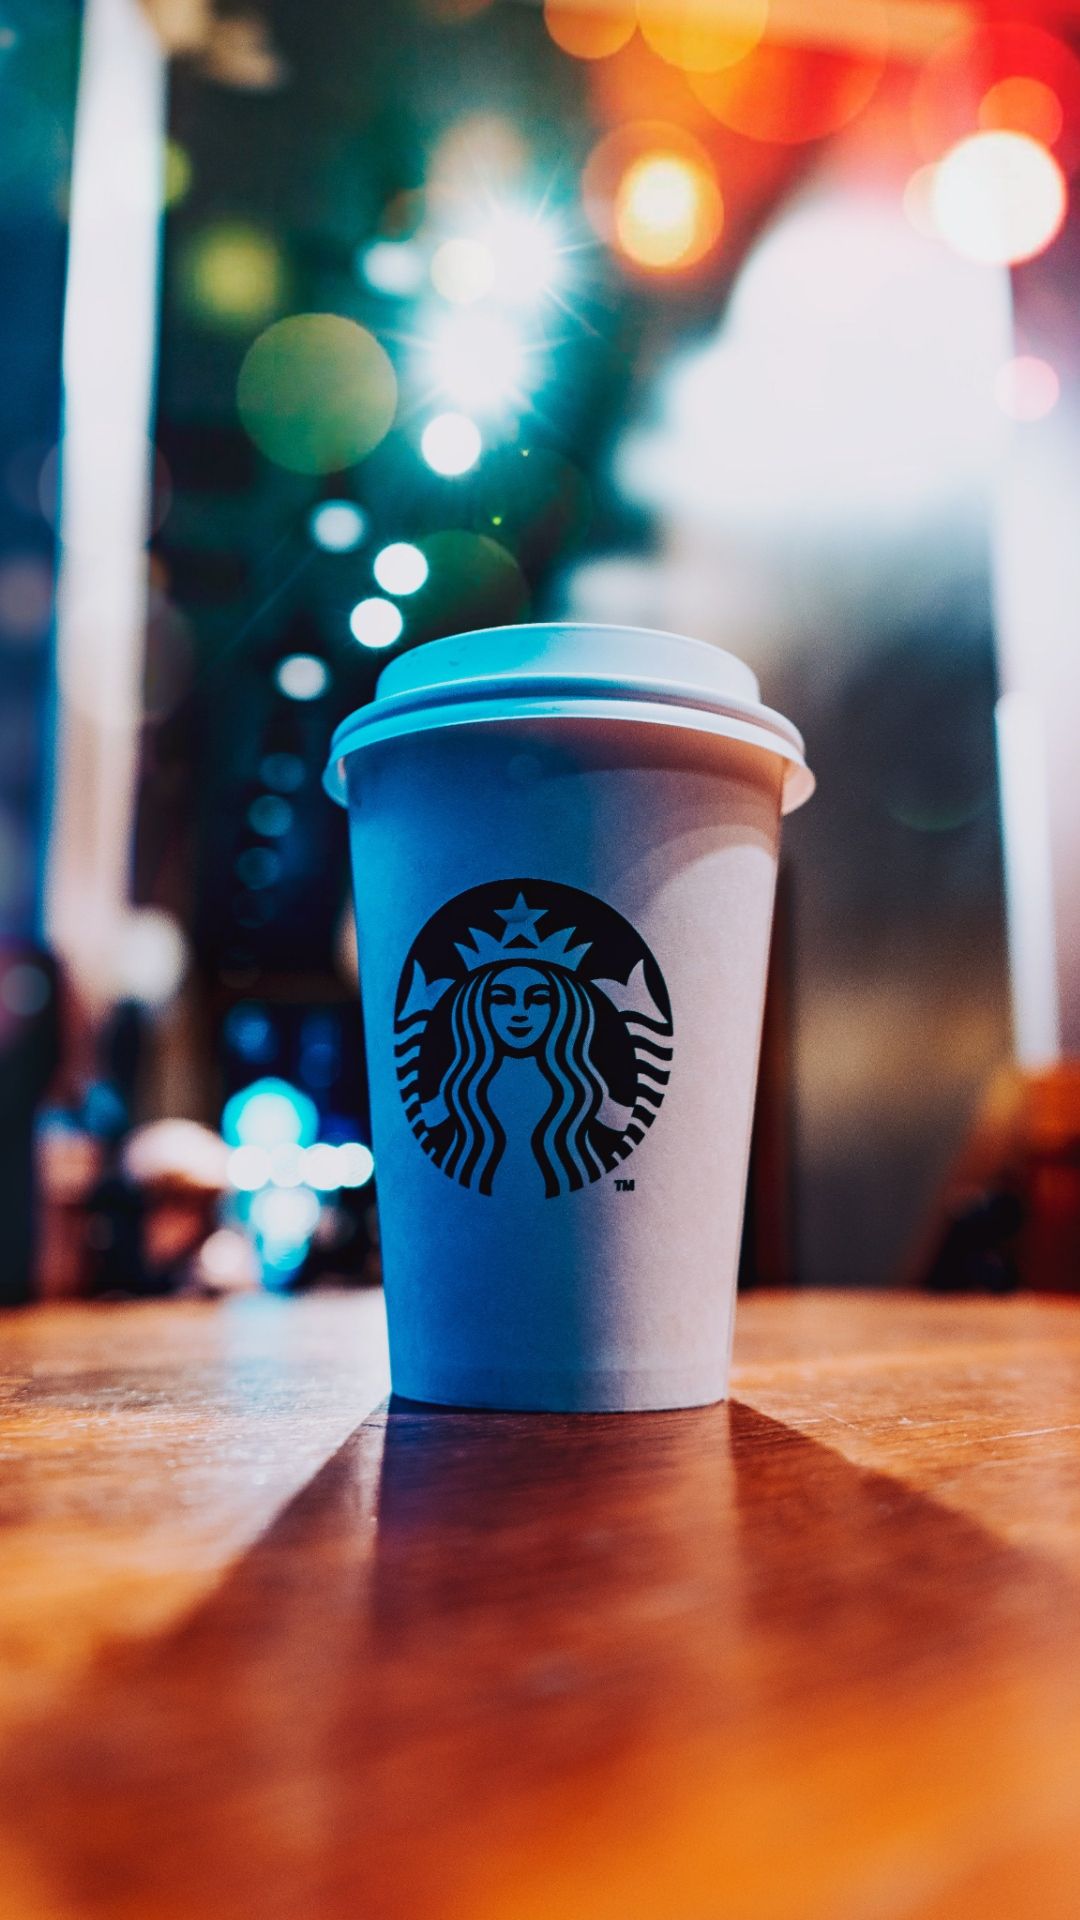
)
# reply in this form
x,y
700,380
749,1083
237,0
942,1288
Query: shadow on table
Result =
x,y
499,1666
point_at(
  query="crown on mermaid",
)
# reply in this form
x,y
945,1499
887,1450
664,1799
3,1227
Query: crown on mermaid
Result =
x,y
520,940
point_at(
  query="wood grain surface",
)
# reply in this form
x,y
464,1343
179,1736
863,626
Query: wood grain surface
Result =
x,y
266,1651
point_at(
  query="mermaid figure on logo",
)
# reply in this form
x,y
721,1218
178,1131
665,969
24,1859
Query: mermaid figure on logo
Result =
x,y
522,1095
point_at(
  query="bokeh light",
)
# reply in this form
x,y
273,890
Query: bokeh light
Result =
x,y
1027,388
283,771
850,387
590,32
702,36
632,203
392,267
478,360
1022,105
232,275
270,815
287,1164
451,444
999,198
151,957
26,598
97,527
176,174
24,990
668,211
918,202
788,95
226,1263
356,1163
269,1113
638,85
322,1167
473,581
477,156
248,1028
21,474
316,392
462,270
524,245
249,1168
284,1219
302,676
400,568
258,868
238,52
376,622
1008,77
513,254
534,501
338,526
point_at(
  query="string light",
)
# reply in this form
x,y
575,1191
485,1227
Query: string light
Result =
x,y
400,568
249,1168
376,622
270,815
321,1167
338,526
302,677
356,1163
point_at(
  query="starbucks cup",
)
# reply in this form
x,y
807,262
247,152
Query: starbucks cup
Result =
x,y
564,844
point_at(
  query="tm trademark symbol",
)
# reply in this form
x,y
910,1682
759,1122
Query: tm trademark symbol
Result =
x,y
624,1186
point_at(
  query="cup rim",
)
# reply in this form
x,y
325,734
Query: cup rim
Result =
x,y
529,694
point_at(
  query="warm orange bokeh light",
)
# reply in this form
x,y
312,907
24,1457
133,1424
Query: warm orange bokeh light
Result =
x,y
649,190
637,85
789,94
999,198
590,32
668,212
1022,105
702,36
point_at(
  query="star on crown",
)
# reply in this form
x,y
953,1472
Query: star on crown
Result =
x,y
520,940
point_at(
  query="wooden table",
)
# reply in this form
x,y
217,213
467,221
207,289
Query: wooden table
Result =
x,y
267,1654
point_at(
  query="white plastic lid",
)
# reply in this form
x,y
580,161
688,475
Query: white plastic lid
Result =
x,y
571,670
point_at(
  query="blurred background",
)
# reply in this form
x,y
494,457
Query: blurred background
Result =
x,y
327,331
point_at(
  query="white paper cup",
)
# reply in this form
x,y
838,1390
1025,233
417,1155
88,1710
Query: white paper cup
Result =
x,y
564,846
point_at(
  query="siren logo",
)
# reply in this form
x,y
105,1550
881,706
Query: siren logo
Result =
x,y
533,1038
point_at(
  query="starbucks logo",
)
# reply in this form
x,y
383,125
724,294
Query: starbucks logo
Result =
x,y
533,1037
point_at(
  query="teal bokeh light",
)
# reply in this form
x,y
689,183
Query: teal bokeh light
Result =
x,y
270,1113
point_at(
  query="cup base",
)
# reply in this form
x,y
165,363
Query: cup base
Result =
x,y
648,1390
